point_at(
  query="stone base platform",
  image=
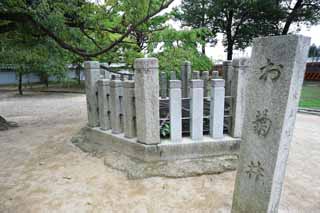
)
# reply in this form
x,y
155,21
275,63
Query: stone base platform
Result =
x,y
167,159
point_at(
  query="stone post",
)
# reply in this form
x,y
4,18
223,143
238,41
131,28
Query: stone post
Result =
x,y
173,75
175,111
104,73
215,74
195,75
92,75
275,79
104,95
217,108
163,85
238,85
205,78
196,109
185,77
129,111
227,76
147,100
115,106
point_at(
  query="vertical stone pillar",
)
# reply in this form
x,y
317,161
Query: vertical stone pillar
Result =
x,y
215,74
217,108
175,111
185,77
147,100
129,109
227,76
205,78
173,75
92,75
196,109
275,76
238,85
103,72
103,99
115,106
195,75
163,85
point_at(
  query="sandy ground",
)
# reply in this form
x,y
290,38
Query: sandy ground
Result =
x,y
42,171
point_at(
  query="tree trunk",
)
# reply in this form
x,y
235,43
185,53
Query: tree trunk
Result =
x,y
291,16
203,49
229,50
20,84
229,36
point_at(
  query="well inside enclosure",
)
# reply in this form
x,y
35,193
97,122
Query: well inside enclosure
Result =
x,y
149,123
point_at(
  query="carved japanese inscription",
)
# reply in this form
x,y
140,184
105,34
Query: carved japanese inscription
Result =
x,y
271,71
262,124
255,170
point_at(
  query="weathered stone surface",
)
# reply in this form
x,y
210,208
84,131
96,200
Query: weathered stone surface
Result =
x,y
173,75
238,86
147,100
185,77
116,99
167,159
196,109
129,109
205,78
175,111
92,75
227,76
103,99
195,75
217,108
163,85
215,74
103,72
275,78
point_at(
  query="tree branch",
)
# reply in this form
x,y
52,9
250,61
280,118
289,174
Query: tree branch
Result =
x,y
23,18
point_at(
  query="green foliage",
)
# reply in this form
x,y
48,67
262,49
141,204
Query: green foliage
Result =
x,y
178,46
165,130
171,59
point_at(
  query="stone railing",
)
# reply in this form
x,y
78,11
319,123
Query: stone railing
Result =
x,y
129,104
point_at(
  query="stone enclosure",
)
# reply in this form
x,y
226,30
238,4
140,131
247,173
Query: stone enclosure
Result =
x,y
126,115
255,104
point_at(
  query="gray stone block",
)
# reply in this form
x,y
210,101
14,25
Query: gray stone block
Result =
x,y
196,109
116,99
103,99
175,111
129,109
147,100
92,75
275,79
185,77
217,98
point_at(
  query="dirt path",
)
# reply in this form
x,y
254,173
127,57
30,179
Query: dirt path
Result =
x,y
41,171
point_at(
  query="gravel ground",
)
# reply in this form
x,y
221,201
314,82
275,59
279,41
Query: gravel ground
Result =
x,y
42,171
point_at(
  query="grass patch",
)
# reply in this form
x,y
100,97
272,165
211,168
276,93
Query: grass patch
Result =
x,y
310,95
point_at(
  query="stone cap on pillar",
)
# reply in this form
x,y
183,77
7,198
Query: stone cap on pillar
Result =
x,y
205,74
186,63
104,82
128,84
91,65
175,84
146,64
215,74
196,83
115,83
217,83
